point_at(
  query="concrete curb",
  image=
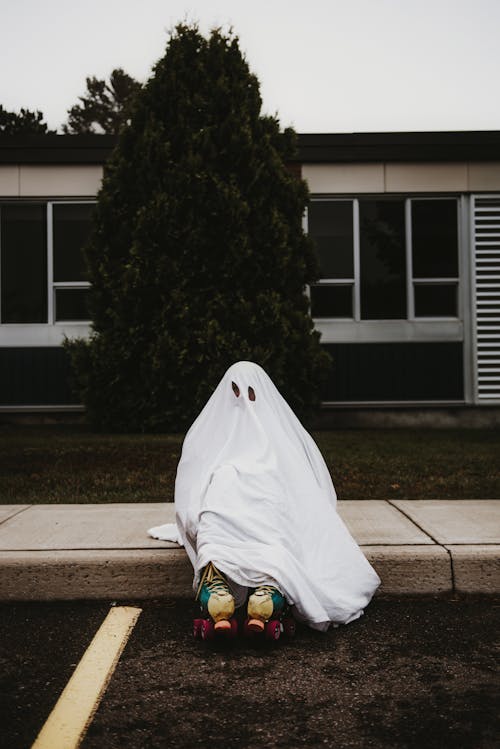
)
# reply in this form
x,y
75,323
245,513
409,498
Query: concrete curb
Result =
x,y
75,552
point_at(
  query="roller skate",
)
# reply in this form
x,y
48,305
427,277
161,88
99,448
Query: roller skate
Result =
x,y
217,606
268,614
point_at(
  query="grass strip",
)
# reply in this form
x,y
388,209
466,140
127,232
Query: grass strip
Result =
x,y
63,463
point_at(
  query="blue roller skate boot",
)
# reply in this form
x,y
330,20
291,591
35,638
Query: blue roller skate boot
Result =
x,y
217,605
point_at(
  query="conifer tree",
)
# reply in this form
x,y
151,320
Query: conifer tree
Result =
x,y
198,257
24,122
104,106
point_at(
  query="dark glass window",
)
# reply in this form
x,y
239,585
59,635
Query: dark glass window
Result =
x,y
72,304
330,226
331,301
23,243
382,259
72,225
435,300
434,238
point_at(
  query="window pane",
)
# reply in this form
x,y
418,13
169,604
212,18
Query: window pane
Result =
x,y
72,226
434,238
382,259
72,304
23,243
330,226
331,301
435,300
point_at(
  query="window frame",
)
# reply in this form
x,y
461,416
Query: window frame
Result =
x,y
30,201
411,281
341,281
52,285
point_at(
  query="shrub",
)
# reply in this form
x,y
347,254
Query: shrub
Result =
x,y
198,258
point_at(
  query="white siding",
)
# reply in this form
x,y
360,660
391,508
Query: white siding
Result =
x,y
486,296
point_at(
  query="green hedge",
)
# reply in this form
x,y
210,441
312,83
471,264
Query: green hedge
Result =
x,y
198,258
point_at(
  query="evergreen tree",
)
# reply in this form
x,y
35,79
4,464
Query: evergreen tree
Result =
x,y
198,258
24,122
104,106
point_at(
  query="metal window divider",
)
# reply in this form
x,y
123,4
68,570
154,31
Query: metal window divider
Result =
x,y
410,293
50,266
356,260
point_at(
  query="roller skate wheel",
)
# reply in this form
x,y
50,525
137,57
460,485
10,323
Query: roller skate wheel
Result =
x,y
197,627
273,630
255,626
246,631
234,628
289,627
222,626
207,630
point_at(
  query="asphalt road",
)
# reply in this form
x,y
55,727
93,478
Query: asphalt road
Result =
x,y
410,673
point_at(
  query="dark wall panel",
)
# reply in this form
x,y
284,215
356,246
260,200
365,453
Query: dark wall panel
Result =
x,y
35,377
361,372
395,372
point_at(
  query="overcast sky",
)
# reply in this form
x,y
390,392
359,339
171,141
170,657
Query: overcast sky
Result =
x,y
323,65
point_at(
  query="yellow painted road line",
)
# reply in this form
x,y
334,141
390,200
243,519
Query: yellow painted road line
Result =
x,y
66,725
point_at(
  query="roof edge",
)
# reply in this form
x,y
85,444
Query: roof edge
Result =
x,y
446,145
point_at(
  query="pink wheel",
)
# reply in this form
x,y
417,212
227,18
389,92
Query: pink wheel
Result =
x,y
253,627
247,632
234,628
207,629
289,626
197,627
273,630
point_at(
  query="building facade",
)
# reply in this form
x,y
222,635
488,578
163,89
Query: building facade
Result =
x,y
407,229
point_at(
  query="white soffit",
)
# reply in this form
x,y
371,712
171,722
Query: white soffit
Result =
x,y
65,180
9,181
484,175
426,177
344,178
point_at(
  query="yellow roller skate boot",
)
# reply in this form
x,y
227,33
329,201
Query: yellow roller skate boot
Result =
x,y
216,600
265,604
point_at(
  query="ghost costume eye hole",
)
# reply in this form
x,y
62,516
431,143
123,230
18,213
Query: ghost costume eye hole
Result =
x,y
251,393
236,389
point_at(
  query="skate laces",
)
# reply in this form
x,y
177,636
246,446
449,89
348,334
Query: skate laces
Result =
x,y
214,580
270,589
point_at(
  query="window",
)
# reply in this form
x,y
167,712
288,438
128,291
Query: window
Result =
x,y
331,226
434,232
71,304
385,258
23,269
435,299
332,300
72,223
332,229
382,259
42,268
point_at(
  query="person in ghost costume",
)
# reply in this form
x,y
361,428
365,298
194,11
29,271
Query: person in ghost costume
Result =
x,y
256,510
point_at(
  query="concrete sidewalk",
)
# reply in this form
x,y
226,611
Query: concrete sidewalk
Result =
x,y
57,552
